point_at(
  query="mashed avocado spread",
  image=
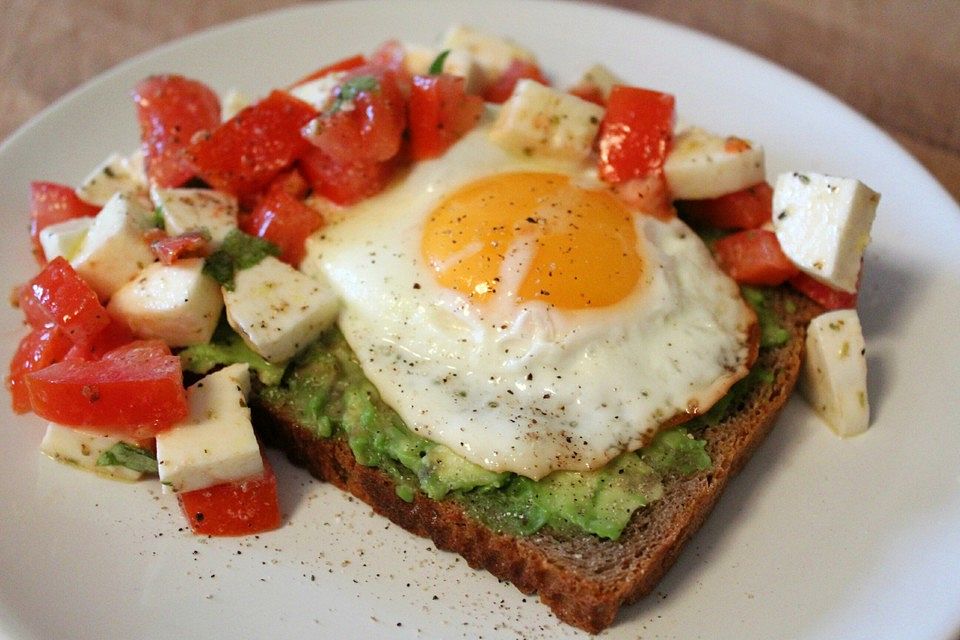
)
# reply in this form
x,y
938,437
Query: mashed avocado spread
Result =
x,y
324,390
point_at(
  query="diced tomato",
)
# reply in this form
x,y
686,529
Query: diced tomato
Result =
x,y
367,119
193,244
172,110
39,349
392,55
117,334
754,257
590,93
635,133
501,88
285,221
135,390
824,295
345,182
649,195
234,509
247,152
343,65
68,301
51,203
745,209
291,182
440,112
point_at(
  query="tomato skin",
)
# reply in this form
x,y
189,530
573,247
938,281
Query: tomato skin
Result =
x,y
285,221
169,249
635,133
68,302
234,509
501,88
590,93
754,257
172,110
117,334
343,65
824,295
439,112
39,349
51,203
370,126
245,153
134,391
745,209
345,183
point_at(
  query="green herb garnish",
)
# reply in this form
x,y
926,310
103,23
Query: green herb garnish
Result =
x,y
436,67
350,89
239,251
127,455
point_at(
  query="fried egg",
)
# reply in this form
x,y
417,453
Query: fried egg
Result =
x,y
514,310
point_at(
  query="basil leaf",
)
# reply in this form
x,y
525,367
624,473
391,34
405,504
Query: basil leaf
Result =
x,y
350,89
126,455
239,251
436,67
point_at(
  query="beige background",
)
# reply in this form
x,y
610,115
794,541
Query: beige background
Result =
x,y
896,61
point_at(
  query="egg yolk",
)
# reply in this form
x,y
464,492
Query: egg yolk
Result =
x,y
534,236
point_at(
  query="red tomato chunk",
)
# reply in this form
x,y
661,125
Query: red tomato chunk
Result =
x,y
136,391
246,152
234,509
440,112
68,302
822,294
635,134
39,349
343,65
745,209
284,221
172,110
51,203
345,182
503,87
169,249
754,257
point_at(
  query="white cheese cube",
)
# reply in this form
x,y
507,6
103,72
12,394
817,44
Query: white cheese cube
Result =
x,y
492,54
215,444
600,77
114,174
64,238
81,449
701,165
278,310
823,225
176,303
538,120
207,210
834,375
418,59
318,92
113,252
234,101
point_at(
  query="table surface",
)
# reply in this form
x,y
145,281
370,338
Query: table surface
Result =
x,y
896,61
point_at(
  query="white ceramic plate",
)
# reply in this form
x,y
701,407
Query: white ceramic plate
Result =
x,y
818,538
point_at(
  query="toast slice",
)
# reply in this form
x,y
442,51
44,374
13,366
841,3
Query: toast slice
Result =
x,y
585,579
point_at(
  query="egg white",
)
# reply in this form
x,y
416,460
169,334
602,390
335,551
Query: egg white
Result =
x,y
528,388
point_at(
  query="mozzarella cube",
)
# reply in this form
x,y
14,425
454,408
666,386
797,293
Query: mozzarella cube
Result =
x,y
175,303
834,374
418,59
600,77
82,449
115,174
278,310
206,210
823,225
64,238
701,165
318,92
215,444
113,251
538,120
492,54
234,101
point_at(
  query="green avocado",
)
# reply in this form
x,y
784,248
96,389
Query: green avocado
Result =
x,y
325,390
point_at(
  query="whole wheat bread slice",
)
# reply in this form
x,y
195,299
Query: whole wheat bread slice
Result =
x,y
584,580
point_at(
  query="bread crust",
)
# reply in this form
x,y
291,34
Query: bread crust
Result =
x,y
584,580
